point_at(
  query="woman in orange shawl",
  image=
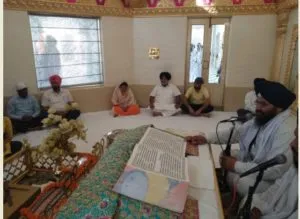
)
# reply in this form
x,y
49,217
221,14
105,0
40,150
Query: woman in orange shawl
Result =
x,y
123,101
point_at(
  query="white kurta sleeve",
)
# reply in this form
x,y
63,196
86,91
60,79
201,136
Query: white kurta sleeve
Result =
x,y
224,135
263,200
280,199
69,96
154,92
176,91
45,99
280,145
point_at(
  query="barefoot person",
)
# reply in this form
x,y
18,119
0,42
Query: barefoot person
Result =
x,y
24,110
124,103
196,101
165,97
58,98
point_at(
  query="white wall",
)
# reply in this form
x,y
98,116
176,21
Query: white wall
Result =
x,y
251,48
169,34
18,51
118,49
293,19
126,45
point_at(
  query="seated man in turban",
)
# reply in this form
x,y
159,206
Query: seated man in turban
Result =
x,y
24,110
59,99
165,97
268,134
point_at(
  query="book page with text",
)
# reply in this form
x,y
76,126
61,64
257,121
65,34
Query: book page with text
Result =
x,y
161,152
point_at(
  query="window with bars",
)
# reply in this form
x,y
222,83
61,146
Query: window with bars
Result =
x,y
68,46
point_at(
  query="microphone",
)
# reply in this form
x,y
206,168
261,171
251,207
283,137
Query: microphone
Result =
x,y
243,118
279,159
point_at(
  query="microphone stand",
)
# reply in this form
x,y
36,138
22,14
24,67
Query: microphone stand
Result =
x,y
227,152
245,212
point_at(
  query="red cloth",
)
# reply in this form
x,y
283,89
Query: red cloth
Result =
x,y
131,110
55,79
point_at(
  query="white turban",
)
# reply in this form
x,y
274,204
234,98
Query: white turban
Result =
x,y
21,86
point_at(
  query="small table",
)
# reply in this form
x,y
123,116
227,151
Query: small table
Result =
x,y
22,196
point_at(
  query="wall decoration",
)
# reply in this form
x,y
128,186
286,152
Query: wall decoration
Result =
x,y
126,3
191,8
269,1
100,2
179,3
152,3
207,2
236,2
153,53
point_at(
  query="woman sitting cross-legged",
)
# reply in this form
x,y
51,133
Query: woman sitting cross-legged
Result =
x,y
123,101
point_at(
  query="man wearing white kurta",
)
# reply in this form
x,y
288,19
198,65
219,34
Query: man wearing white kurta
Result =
x,y
58,98
165,97
260,139
280,200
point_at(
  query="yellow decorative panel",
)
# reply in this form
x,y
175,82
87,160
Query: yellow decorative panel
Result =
x,y
139,7
287,4
113,4
59,7
207,11
192,3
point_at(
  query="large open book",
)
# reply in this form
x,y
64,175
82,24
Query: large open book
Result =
x,y
157,171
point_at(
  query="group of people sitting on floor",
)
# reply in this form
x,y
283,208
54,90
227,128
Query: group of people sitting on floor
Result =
x,y
24,112
165,99
268,134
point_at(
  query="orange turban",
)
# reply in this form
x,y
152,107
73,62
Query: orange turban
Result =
x,y
55,79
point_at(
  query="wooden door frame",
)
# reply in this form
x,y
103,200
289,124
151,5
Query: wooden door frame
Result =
x,y
207,36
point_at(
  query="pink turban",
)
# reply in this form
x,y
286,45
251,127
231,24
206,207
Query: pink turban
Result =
x,y
55,79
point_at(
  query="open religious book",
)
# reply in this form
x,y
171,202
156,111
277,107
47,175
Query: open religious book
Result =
x,y
157,171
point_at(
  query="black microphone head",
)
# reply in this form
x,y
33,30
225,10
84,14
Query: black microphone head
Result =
x,y
281,159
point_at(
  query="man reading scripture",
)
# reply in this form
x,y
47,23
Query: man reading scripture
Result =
x,y
260,139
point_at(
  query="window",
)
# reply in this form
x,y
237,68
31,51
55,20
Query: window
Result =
x,y
206,49
196,52
68,46
216,53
